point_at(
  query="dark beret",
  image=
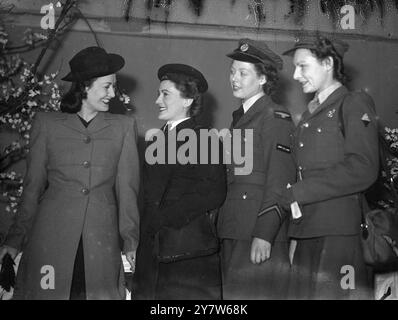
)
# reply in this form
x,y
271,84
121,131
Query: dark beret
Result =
x,y
187,70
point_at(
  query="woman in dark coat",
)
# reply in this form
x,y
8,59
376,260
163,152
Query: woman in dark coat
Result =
x,y
80,192
178,253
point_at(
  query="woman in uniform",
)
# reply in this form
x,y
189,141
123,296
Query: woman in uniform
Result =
x,y
334,168
252,224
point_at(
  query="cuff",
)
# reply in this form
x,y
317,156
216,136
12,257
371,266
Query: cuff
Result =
x,y
268,224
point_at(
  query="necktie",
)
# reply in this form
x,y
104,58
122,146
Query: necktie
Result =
x,y
166,128
236,115
313,104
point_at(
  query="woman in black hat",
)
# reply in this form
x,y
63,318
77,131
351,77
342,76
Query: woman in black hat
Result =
x,y
80,191
252,224
178,253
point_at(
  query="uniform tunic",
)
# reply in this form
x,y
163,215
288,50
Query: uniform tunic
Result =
x,y
80,182
251,208
334,170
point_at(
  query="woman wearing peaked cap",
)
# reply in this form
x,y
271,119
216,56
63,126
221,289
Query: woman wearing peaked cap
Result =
x,y
178,253
335,166
80,190
251,223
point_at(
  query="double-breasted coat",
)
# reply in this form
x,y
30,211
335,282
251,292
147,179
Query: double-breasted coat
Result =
x,y
80,182
179,196
334,169
252,207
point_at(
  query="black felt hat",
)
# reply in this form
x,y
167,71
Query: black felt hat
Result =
x,y
93,62
256,51
185,70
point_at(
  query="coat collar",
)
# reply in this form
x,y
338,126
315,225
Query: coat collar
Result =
x,y
100,121
335,96
188,123
256,108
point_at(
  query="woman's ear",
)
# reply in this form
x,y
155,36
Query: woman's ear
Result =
x,y
328,62
187,102
263,79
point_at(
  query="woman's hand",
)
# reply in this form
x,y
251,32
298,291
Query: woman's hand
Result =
x,y
260,251
130,256
10,250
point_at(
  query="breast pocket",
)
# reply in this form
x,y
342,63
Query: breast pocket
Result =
x,y
329,142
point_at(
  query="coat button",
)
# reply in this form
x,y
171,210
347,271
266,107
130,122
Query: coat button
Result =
x,y
87,139
86,164
244,196
85,191
306,125
319,130
301,144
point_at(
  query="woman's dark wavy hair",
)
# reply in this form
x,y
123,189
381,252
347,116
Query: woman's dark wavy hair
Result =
x,y
188,86
270,72
71,101
324,49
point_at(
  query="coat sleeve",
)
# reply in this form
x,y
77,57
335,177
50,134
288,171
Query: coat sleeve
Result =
x,y
127,188
199,193
35,181
359,169
279,170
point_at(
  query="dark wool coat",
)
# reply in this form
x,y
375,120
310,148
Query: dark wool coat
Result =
x,y
178,197
79,182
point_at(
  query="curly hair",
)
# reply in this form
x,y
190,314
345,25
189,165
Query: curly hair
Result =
x,y
270,72
188,87
71,101
324,49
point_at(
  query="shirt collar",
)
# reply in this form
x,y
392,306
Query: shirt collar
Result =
x,y
325,93
249,102
172,124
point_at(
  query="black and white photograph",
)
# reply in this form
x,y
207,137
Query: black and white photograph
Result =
x,y
199,151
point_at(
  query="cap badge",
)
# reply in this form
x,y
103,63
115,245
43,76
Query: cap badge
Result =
x,y
244,47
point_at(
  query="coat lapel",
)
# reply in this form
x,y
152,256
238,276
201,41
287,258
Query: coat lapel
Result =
x,y
335,96
101,121
256,108
73,122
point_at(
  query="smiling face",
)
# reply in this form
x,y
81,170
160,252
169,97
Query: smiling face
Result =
x,y
172,106
101,91
313,75
245,82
